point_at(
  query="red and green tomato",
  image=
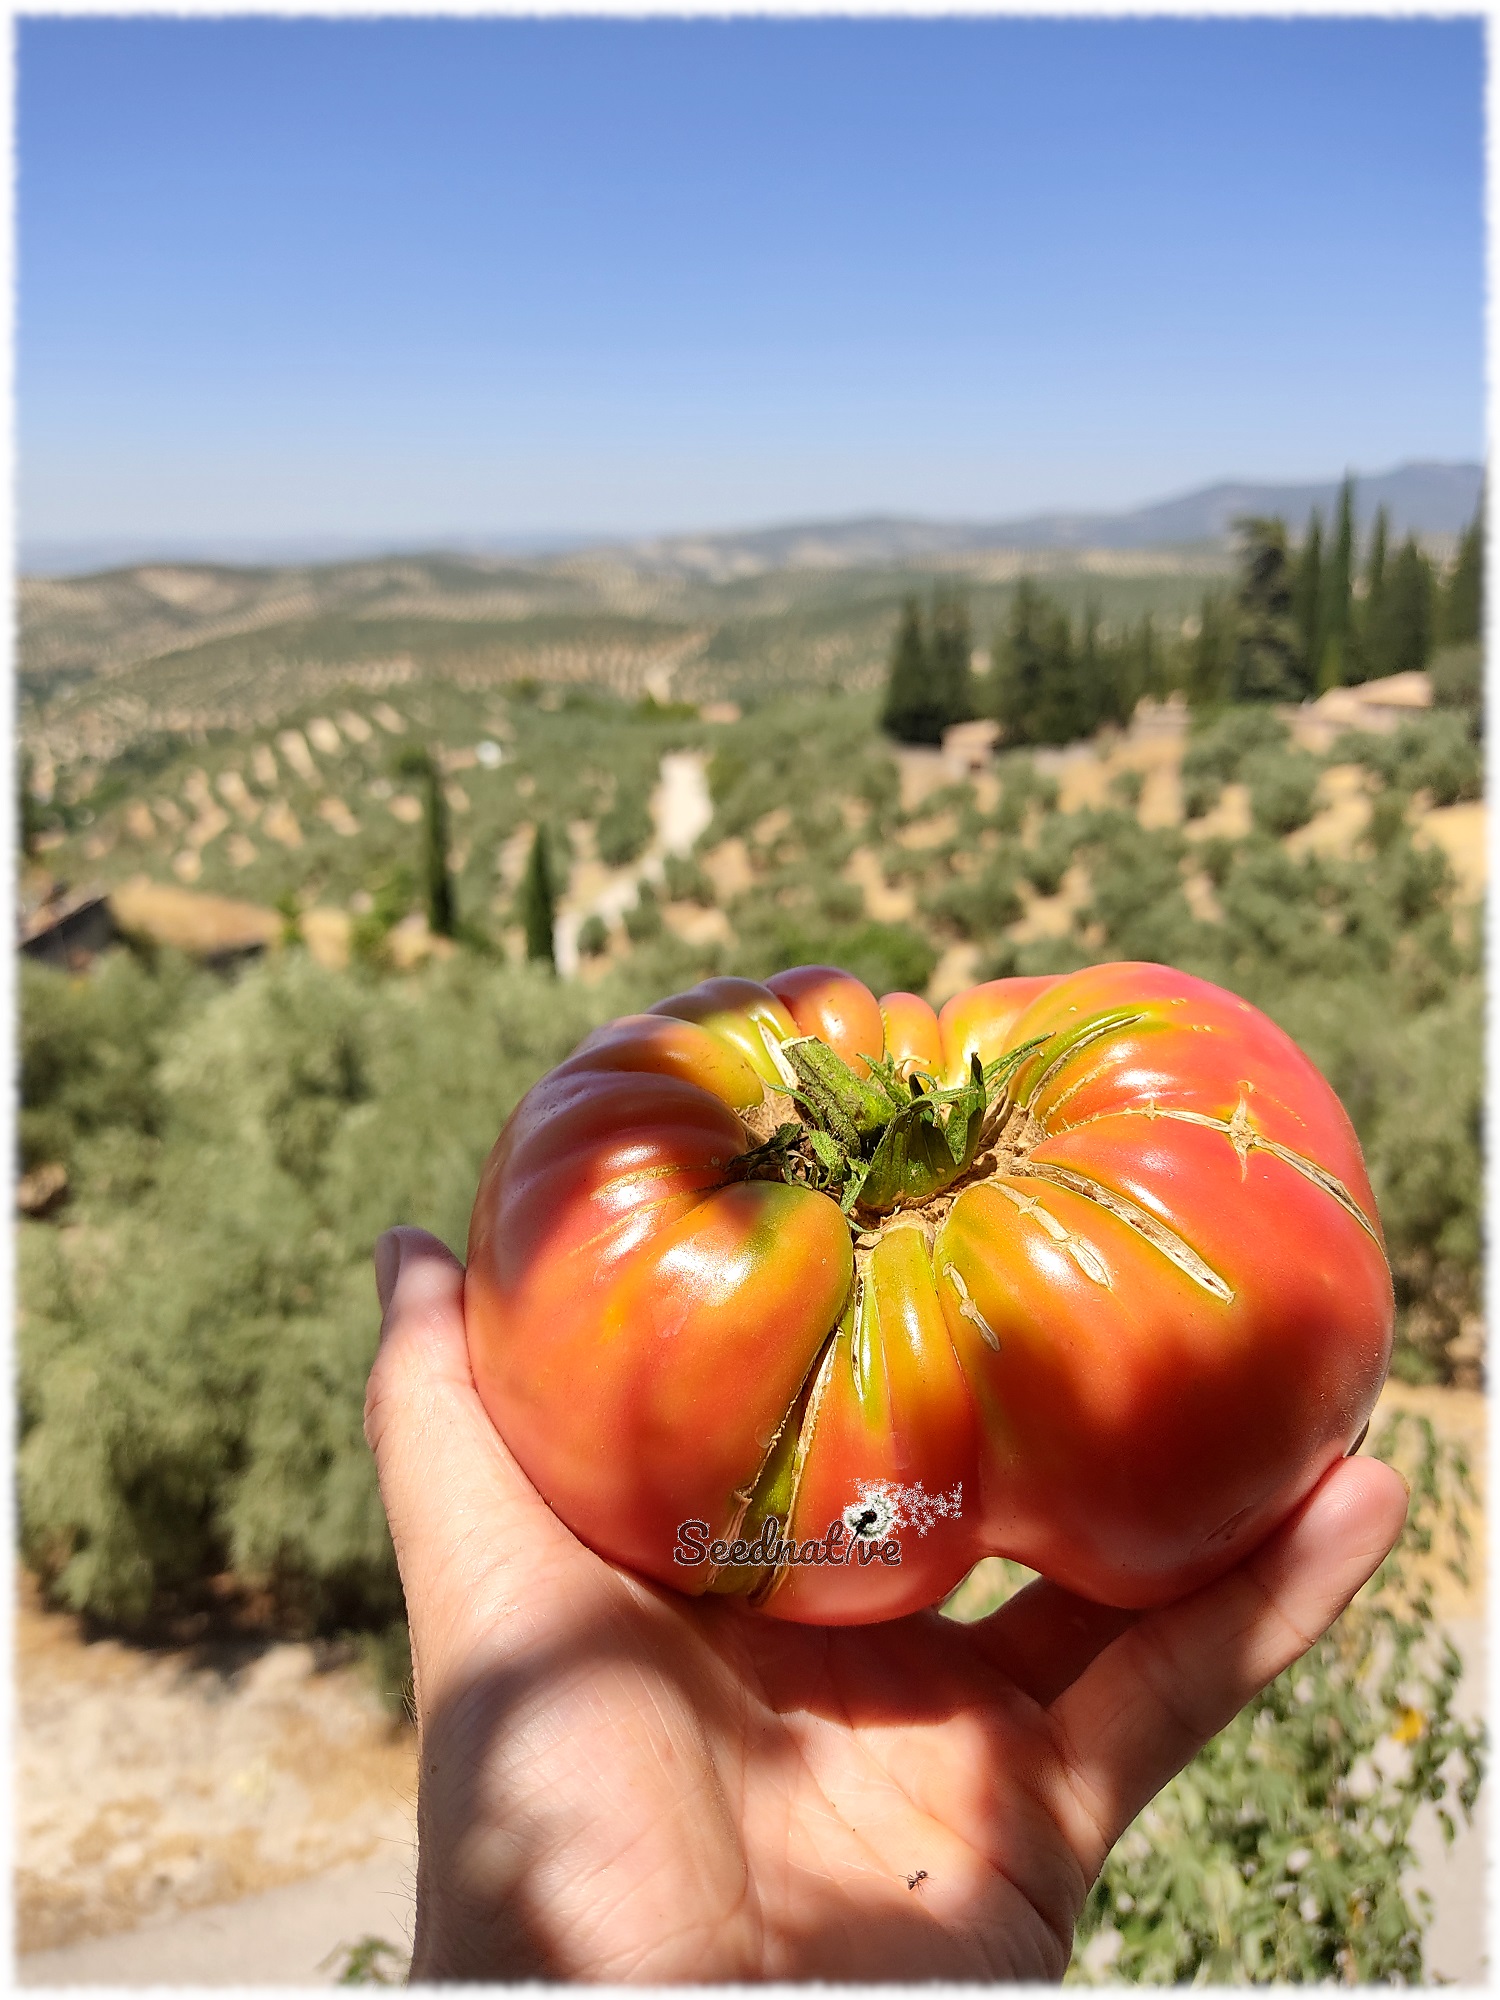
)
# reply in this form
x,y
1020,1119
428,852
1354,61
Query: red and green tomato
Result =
x,y
1084,1271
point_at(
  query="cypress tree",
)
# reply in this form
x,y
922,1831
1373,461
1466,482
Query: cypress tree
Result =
x,y
1018,678
1463,594
538,903
1093,676
952,646
1307,595
1338,595
1211,656
1372,614
441,912
31,815
914,710
440,898
1404,635
1065,710
1267,659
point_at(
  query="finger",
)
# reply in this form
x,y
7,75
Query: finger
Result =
x,y
467,1524
1044,1637
1151,1700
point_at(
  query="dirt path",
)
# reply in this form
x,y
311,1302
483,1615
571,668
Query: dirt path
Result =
x,y
681,809
150,1783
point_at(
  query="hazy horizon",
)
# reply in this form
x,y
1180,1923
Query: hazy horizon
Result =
x,y
64,555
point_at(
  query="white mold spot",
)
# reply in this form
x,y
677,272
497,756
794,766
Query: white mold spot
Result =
x,y
902,1506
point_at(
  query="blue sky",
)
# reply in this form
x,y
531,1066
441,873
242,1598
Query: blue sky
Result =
x,y
402,279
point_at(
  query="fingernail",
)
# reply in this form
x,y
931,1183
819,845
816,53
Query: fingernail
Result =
x,y
387,1266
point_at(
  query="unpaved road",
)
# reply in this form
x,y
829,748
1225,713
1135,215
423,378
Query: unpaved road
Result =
x,y
681,809
149,1783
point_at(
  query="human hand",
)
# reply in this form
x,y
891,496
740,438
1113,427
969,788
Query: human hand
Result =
x,y
618,1784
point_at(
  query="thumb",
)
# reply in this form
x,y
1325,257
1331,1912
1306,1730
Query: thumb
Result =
x,y
471,1533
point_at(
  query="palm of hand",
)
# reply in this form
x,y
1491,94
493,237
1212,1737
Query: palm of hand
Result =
x,y
617,1784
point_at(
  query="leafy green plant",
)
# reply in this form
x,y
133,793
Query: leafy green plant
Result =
x,y
1280,1853
368,1961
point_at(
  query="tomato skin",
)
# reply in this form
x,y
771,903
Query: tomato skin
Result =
x,y
1120,1352
980,1021
746,1015
837,1009
615,1281
913,1039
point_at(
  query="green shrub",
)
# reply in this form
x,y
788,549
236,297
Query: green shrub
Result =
x,y
593,937
1279,1853
1216,857
685,881
887,957
624,830
89,1048
643,919
976,906
1218,748
1283,787
838,901
1045,864
1274,923
1138,901
1022,786
1037,958
1201,792
1457,676
876,780
1435,753
191,1366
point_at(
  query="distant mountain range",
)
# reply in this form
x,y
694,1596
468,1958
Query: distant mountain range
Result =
x,y
1423,497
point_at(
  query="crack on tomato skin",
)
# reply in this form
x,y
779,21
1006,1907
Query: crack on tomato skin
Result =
x,y
1247,1139
967,1309
1159,1234
1095,1030
778,1060
819,1373
861,1357
1083,1253
754,1489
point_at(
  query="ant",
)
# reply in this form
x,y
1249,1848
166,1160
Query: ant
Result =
x,y
913,1880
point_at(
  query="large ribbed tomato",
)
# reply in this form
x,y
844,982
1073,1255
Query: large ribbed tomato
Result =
x,y
1085,1271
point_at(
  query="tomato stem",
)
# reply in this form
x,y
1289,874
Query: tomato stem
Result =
x,y
880,1142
